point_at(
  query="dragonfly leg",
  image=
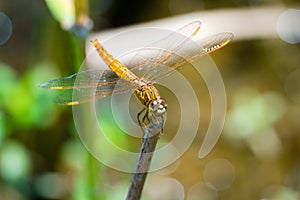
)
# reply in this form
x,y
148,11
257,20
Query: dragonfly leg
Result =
x,y
162,121
157,120
141,121
148,119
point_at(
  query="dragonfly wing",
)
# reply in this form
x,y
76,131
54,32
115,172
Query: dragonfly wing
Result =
x,y
189,52
83,79
176,39
82,95
86,85
214,42
158,54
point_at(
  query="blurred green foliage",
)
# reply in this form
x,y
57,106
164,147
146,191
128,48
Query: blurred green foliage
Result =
x,y
26,105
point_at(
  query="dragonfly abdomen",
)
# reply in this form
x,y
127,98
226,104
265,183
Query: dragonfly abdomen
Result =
x,y
115,65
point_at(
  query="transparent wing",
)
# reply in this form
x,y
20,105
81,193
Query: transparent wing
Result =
x,y
83,95
154,68
189,52
86,85
84,79
173,42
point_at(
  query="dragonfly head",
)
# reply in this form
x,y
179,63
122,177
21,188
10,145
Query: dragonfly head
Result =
x,y
158,107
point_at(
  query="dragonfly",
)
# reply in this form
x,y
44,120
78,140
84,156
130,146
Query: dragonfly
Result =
x,y
140,73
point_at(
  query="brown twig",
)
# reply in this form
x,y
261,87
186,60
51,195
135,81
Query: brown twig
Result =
x,y
138,178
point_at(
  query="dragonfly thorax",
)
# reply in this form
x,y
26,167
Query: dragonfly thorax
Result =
x,y
149,96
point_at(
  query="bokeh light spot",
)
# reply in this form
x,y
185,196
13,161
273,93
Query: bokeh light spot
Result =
x,y
288,26
267,145
5,28
50,185
219,173
202,191
163,188
14,161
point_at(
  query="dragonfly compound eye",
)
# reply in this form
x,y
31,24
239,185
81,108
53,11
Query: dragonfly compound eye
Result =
x,y
158,106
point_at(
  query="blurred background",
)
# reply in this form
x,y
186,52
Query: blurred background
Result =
x,y
257,155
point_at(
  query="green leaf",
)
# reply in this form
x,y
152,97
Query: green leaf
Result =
x,y
63,12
